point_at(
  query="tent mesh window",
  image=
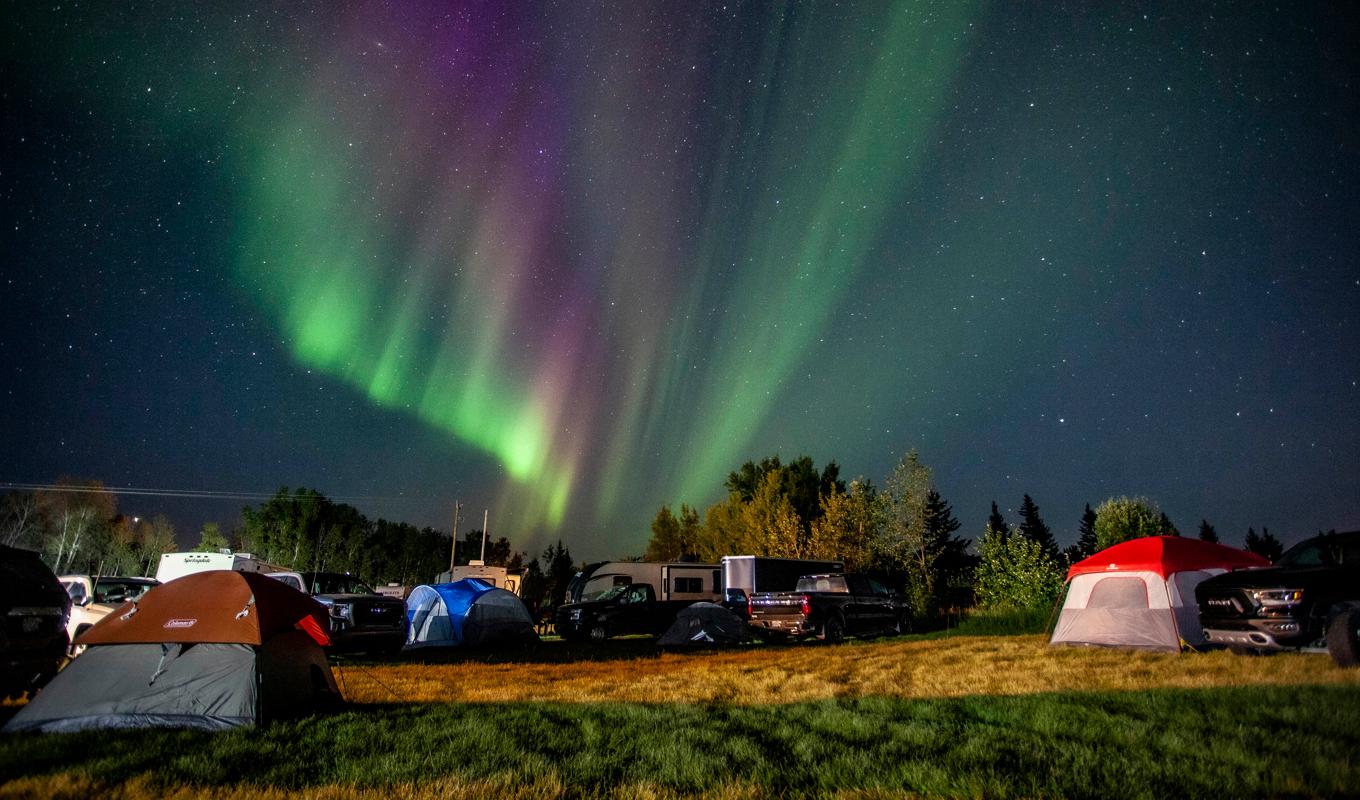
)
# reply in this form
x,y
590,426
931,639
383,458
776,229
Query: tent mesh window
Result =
x,y
1118,593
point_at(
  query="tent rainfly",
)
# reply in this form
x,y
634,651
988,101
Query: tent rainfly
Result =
x,y
1141,593
208,651
466,612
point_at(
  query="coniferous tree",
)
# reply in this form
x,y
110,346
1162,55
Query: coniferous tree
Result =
x,y
1265,544
1033,527
1086,533
1207,532
534,587
559,572
1270,547
997,523
1166,527
1086,538
953,566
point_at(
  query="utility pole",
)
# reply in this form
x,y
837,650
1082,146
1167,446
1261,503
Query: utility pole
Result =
x,y
485,512
453,546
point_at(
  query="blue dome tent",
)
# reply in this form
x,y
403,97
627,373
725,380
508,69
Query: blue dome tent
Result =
x,y
467,612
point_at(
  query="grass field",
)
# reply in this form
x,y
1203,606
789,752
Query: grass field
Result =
x,y
955,716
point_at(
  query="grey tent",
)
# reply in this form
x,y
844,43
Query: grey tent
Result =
x,y
208,651
705,623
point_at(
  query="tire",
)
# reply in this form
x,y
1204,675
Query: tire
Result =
x,y
902,626
1342,634
598,632
833,630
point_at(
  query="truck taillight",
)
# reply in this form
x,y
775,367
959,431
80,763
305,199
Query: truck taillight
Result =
x,y
750,607
806,606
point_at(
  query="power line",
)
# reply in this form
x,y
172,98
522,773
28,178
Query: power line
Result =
x,y
194,494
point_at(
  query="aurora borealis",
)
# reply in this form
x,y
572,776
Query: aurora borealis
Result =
x,y
571,261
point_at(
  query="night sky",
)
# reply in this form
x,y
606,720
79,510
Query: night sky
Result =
x,y
570,261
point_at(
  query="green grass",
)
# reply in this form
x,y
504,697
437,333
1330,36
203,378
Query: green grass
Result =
x,y
1004,623
1223,742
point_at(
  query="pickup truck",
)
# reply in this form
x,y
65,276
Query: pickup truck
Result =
x,y
1310,599
361,619
93,598
619,611
829,607
33,613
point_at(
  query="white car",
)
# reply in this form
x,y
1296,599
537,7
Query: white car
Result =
x,y
93,598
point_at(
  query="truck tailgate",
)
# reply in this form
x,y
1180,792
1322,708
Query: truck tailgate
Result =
x,y
783,611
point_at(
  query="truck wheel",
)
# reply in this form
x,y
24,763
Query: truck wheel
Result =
x,y
598,633
833,630
1342,634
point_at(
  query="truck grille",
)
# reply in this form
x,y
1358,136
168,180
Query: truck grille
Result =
x,y
379,614
1227,603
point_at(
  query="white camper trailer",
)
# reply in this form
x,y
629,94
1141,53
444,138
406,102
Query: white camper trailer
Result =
x,y
497,577
177,565
673,580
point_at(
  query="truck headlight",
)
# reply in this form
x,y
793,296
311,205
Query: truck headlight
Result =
x,y
1275,598
340,611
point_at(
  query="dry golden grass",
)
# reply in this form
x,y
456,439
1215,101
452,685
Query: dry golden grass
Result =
x,y
939,668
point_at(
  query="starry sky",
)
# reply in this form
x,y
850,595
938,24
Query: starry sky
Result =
x,y
569,261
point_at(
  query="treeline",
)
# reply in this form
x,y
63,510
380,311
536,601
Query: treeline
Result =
x,y
905,533
303,530
76,528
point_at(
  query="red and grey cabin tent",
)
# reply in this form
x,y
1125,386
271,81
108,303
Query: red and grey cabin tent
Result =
x,y
209,651
1141,593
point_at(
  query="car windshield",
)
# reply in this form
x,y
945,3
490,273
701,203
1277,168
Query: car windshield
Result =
x,y
338,584
118,590
613,593
1324,551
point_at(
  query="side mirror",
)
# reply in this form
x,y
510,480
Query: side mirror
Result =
x,y
85,601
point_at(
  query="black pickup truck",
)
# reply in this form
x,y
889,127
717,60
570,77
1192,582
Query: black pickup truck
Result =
x,y
829,607
1310,598
620,611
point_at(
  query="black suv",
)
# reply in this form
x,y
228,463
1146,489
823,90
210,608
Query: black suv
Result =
x,y
1309,598
361,619
33,613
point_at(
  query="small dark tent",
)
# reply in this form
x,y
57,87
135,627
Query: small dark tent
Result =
x,y
209,651
705,623
466,612
1141,593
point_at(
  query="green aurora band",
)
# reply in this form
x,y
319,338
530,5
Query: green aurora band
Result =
x,y
530,264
